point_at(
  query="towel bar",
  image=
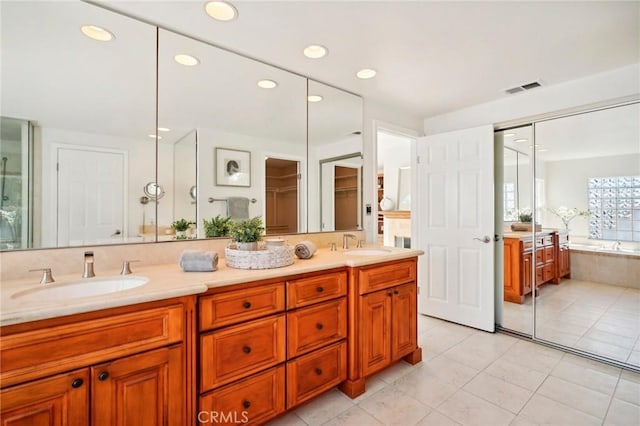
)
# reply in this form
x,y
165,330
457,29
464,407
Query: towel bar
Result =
x,y
211,200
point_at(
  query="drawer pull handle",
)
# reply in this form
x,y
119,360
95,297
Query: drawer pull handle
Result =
x,y
246,350
103,376
76,383
389,294
319,326
396,292
246,404
319,371
320,289
247,305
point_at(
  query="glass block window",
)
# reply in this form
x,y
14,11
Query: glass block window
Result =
x,y
509,192
614,203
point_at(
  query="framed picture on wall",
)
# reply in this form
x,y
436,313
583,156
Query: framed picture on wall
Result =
x,y
233,167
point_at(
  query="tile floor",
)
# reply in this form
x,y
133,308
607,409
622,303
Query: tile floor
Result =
x,y
470,377
599,318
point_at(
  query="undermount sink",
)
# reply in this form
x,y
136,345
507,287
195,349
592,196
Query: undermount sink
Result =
x,y
367,252
81,288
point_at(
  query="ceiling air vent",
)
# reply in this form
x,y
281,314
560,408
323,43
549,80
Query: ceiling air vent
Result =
x,y
521,88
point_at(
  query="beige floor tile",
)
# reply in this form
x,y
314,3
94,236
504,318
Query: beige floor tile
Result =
x,y
534,356
516,373
289,419
391,406
354,416
324,407
468,409
630,375
576,396
617,329
443,337
373,385
449,371
436,419
556,336
544,411
396,371
614,339
628,391
499,392
634,358
622,413
426,388
586,375
481,349
523,421
603,349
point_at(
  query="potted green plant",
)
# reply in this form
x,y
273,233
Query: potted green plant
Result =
x,y
217,227
525,217
181,226
246,233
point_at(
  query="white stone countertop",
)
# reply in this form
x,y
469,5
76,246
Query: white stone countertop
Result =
x,y
167,281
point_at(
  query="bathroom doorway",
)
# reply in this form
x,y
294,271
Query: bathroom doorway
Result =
x,y
282,195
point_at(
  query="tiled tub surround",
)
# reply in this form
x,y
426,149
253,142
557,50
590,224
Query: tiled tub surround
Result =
x,y
607,266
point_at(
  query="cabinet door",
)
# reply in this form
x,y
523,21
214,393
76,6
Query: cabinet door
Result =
x,y
145,389
54,401
527,264
403,321
564,261
376,331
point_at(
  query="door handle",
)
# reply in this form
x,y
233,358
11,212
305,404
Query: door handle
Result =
x,y
486,239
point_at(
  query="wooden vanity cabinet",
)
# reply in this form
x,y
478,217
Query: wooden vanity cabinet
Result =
x,y
520,261
382,320
127,366
564,255
277,344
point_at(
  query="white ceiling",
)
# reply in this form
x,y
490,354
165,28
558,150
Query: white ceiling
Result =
x,y
431,57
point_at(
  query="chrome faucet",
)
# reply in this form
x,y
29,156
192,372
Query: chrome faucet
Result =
x,y
345,240
616,245
88,265
47,277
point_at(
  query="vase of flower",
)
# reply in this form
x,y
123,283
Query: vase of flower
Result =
x,y
566,215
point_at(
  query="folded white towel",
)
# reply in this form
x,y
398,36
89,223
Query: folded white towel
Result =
x,y
305,249
198,261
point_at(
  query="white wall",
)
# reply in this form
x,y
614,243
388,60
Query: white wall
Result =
x,y
614,84
566,185
395,152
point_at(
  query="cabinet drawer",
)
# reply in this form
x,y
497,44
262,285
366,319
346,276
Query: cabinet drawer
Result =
x,y
549,254
316,326
548,272
43,352
306,291
250,401
235,352
316,372
240,305
379,277
540,256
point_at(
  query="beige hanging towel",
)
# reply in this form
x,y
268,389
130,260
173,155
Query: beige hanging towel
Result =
x,y
238,208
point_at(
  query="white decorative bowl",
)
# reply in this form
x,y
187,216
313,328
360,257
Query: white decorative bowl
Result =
x,y
269,258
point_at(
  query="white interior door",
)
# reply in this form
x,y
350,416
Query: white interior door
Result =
x,y
455,204
91,194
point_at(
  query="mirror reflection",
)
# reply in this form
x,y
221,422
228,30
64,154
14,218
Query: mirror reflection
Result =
x,y
591,175
242,112
335,162
77,151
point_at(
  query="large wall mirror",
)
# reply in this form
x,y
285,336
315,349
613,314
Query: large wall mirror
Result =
x,y
81,145
242,113
76,115
335,159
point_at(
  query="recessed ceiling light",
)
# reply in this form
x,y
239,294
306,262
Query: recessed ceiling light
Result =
x,y
543,150
520,140
536,145
221,10
507,135
267,84
186,60
96,33
314,98
163,129
154,136
315,51
366,73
